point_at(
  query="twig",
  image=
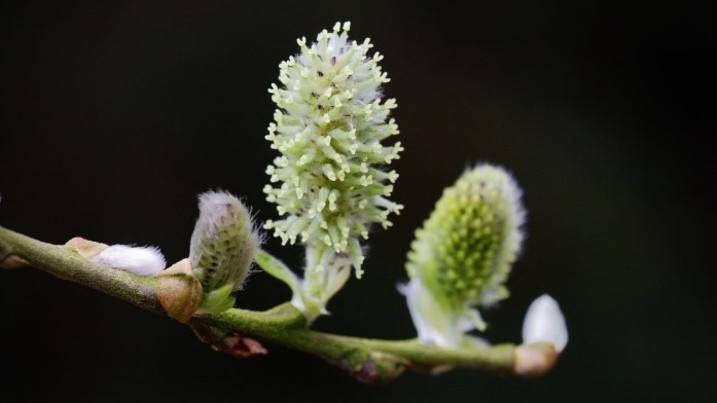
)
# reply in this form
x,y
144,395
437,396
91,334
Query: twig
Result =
x,y
236,331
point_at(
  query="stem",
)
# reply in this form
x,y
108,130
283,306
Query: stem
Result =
x,y
65,263
368,360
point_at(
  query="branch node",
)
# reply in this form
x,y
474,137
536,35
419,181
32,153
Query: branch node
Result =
x,y
11,262
239,346
534,360
85,247
377,368
179,292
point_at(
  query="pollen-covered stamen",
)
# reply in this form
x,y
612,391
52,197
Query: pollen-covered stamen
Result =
x,y
329,183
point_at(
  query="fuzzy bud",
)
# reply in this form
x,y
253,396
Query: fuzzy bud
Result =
x,y
222,248
463,254
141,260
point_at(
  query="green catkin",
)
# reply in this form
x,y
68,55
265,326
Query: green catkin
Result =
x,y
462,255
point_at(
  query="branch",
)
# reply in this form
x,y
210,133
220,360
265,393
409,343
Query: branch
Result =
x,y
65,263
235,330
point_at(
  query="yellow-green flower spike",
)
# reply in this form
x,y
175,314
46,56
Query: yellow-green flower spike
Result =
x,y
329,184
222,248
463,254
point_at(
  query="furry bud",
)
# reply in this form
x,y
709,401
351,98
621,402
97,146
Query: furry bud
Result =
x,y
141,260
463,254
222,248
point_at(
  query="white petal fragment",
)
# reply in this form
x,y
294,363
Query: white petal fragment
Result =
x,y
144,261
544,322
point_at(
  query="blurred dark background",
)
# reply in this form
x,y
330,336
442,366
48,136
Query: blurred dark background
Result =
x,y
115,115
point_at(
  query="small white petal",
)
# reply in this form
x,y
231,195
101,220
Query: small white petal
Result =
x,y
143,261
544,322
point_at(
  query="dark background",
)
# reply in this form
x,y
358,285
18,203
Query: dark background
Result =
x,y
115,115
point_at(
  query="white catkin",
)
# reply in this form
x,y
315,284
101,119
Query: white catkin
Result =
x,y
145,261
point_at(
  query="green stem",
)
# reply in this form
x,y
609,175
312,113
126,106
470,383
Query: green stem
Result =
x,y
65,263
285,325
369,360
